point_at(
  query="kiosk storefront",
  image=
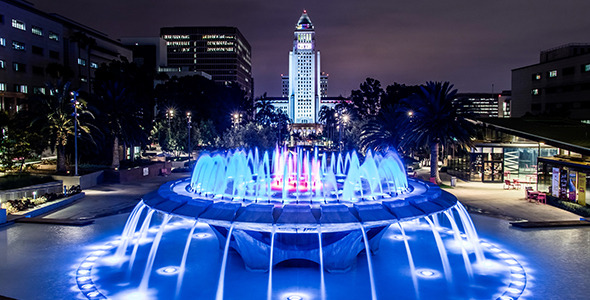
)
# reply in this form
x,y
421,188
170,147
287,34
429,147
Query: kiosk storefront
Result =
x,y
565,177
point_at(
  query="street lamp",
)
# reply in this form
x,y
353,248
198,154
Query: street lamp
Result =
x,y
343,120
236,119
188,126
75,115
169,116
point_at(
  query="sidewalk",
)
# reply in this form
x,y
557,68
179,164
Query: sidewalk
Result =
x,y
492,199
109,199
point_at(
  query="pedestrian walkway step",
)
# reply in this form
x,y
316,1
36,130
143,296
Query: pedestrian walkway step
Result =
x,y
68,222
581,222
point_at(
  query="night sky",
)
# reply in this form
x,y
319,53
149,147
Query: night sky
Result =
x,y
472,44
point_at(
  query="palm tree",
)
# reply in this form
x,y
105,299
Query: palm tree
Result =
x,y
265,111
435,121
383,133
57,121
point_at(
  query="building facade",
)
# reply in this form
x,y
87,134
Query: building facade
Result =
x,y
479,105
303,86
31,39
222,52
558,85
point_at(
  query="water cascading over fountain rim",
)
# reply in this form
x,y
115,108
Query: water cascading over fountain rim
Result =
x,y
425,199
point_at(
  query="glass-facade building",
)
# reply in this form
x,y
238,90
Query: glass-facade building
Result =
x,y
222,52
557,162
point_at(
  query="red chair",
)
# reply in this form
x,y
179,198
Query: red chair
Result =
x,y
530,195
542,197
516,184
508,185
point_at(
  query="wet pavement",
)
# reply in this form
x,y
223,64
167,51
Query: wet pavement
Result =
x,y
493,200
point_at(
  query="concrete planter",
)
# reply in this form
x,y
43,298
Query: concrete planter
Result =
x,y
40,189
84,181
46,207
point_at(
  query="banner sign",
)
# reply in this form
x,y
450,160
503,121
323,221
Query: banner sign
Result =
x,y
555,182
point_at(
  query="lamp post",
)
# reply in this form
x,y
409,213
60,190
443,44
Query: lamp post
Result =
x,y
343,122
188,126
75,115
169,116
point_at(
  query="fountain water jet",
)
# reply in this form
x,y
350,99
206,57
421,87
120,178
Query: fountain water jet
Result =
x,y
301,205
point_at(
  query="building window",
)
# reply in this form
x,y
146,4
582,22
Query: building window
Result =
x,y
54,54
2,64
37,50
19,24
93,65
37,30
1,19
18,46
586,68
537,76
2,86
39,90
81,62
21,88
53,36
2,42
552,73
535,92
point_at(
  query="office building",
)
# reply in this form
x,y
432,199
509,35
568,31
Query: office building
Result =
x,y
478,105
559,85
222,52
31,39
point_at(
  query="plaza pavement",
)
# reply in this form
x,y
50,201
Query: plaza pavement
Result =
x,y
109,199
485,198
493,200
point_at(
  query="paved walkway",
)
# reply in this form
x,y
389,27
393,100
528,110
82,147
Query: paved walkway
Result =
x,y
108,199
492,199
486,198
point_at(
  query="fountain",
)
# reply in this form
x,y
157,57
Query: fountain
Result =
x,y
300,210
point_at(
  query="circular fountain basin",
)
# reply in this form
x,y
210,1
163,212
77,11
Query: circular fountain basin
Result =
x,y
304,206
423,199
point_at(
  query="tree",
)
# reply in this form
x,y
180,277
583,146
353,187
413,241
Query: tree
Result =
x,y
383,133
367,100
248,135
18,141
120,106
396,92
435,121
328,119
55,118
265,111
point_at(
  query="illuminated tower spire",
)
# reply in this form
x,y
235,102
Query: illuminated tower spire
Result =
x,y
304,74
